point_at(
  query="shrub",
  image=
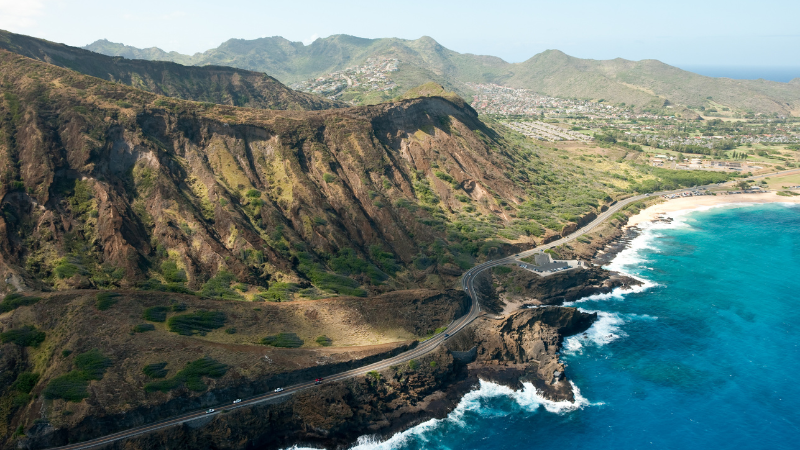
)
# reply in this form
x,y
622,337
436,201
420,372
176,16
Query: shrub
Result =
x,y
93,364
155,285
106,300
15,300
72,386
191,376
231,330
283,340
413,364
25,382
156,313
171,273
199,322
220,287
443,176
141,328
66,269
324,341
179,307
328,178
279,292
157,370
374,375
26,336
253,193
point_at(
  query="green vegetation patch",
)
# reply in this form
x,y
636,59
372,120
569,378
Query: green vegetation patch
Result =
x,y
324,341
25,382
106,300
171,272
502,270
15,300
190,376
348,263
328,281
156,313
143,327
676,179
278,292
156,285
157,370
72,386
220,287
26,336
199,322
283,340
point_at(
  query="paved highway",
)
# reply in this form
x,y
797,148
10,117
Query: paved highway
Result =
x,y
467,283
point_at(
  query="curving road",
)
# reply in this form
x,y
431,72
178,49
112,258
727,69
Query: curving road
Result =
x,y
467,283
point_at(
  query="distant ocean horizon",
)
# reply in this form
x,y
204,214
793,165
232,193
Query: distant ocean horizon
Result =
x,y
782,74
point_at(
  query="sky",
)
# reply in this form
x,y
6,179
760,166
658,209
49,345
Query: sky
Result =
x,y
693,33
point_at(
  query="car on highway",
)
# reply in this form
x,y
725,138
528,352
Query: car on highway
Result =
x,y
446,335
278,389
318,381
238,400
210,411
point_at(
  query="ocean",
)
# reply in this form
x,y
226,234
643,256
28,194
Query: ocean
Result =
x,y
705,355
782,74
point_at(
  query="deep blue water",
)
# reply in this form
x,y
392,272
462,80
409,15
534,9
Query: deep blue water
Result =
x,y
782,74
708,356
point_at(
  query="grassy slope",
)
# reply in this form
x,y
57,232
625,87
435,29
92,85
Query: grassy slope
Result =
x,y
642,83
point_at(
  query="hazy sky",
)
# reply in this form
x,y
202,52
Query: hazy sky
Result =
x,y
679,32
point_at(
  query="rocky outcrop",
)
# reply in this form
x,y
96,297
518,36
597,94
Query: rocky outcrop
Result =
x,y
524,346
523,286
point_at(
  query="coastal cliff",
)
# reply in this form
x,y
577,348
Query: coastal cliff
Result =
x,y
519,349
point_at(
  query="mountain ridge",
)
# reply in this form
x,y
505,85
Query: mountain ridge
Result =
x,y
215,84
647,84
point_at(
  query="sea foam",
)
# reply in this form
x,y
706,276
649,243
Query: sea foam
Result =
x,y
527,399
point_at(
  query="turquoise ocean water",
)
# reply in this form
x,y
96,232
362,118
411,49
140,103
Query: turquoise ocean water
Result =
x,y
706,355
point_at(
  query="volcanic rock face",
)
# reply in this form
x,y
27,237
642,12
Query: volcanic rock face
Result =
x,y
523,347
524,286
103,179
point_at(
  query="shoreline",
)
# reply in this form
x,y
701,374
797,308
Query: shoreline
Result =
x,y
656,212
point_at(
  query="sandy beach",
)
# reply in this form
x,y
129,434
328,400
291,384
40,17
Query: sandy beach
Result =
x,y
684,203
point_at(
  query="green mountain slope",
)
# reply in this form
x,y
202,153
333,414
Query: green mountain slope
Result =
x,y
646,83
221,85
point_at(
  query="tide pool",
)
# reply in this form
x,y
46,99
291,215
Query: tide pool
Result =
x,y
705,355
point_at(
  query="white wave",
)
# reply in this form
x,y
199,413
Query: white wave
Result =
x,y
528,399
617,293
607,328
